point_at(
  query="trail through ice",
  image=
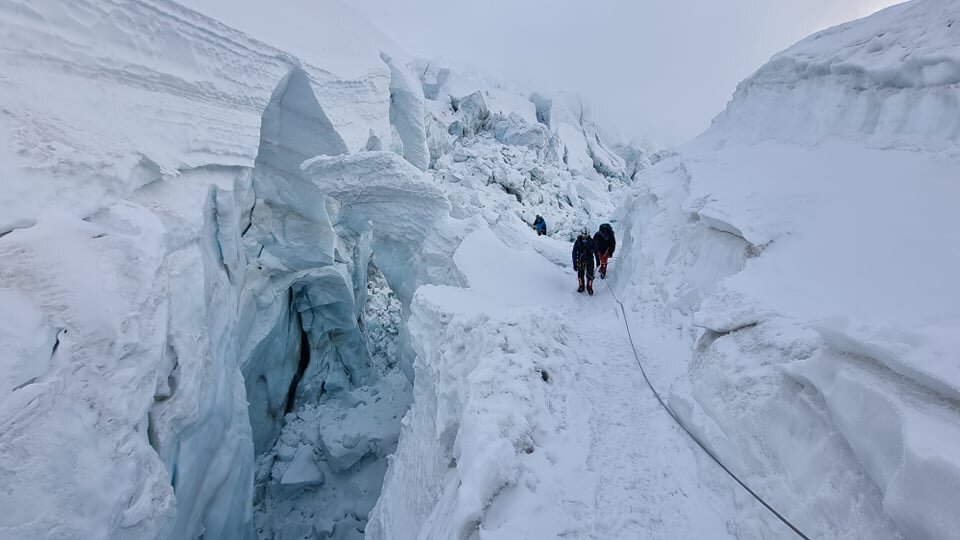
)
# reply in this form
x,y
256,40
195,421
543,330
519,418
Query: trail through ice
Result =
x,y
549,372
651,482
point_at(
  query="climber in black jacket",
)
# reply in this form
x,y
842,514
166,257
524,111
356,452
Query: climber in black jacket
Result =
x,y
584,255
606,244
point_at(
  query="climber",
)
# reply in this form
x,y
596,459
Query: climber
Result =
x,y
584,254
540,225
606,244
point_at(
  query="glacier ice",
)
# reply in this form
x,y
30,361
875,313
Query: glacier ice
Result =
x,y
383,195
407,113
162,192
584,149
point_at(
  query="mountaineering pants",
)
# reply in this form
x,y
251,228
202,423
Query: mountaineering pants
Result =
x,y
585,269
603,265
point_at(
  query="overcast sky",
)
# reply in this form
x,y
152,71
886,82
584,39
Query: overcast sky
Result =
x,y
653,69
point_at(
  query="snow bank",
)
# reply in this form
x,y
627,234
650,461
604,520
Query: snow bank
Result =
x,y
190,96
904,437
82,408
890,80
789,272
479,402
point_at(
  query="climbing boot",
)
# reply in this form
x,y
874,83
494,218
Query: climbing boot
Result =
x,y
590,287
580,289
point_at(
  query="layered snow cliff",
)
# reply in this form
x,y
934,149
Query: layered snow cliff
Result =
x,y
797,257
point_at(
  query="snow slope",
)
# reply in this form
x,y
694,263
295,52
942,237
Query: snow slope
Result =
x,y
792,274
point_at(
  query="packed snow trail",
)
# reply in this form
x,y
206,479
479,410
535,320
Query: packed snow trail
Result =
x,y
554,433
651,481
648,484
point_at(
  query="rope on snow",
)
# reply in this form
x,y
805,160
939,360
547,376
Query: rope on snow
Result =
x,y
696,439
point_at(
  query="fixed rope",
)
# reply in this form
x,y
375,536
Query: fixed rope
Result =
x,y
690,433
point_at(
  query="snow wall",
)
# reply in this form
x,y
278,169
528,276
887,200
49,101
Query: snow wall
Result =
x,y
790,269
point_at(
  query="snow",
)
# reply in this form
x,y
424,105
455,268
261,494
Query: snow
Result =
x,y
95,328
529,418
381,194
147,250
788,276
888,80
26,341
291,289
327,33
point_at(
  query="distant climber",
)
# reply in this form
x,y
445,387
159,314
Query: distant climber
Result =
x,y
540,225
584,254
606,244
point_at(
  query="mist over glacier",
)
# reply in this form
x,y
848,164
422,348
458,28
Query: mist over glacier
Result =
x,y
277,279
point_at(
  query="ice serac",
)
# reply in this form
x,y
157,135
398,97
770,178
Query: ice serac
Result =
x,y
381,194
407,113
569,117
474,113
816,309
290,239
294,127
492,156
198,423
158,242
325,412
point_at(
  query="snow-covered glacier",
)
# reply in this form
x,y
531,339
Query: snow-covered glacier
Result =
x,y
165,261
791,277
209,247
279,281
